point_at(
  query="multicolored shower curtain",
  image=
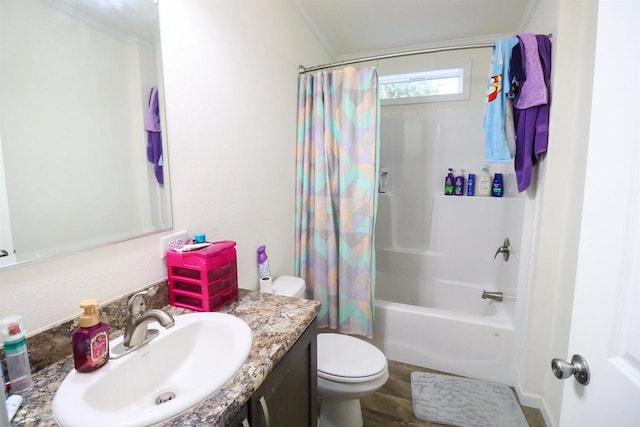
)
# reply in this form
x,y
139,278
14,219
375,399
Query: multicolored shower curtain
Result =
x,y
337,166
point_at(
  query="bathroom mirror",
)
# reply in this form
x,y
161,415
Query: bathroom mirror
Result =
x,y
75,84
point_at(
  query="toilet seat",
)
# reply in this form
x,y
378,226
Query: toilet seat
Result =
x,y
346,359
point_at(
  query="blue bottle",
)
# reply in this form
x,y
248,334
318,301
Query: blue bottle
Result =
x,y
471,184
448,183
498,186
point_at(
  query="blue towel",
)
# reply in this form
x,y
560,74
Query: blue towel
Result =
x,y
496,148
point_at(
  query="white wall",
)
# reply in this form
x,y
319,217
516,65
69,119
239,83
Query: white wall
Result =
x,y
558,219
231,99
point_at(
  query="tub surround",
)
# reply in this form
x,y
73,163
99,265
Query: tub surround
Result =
x,y
276,322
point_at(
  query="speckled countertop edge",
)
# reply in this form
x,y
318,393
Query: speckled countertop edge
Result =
x,y
276,322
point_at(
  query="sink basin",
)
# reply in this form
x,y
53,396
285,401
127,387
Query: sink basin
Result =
x,y
183,366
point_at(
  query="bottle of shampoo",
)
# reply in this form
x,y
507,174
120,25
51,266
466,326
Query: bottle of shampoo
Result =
x,y
448,183
263,263
458,185
484,183
15,349
471,184
497,189
91,339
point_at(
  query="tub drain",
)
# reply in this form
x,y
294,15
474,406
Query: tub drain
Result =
x,y
165,397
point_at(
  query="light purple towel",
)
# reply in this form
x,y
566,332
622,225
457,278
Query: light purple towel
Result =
x,y
154,135
534,90
152,121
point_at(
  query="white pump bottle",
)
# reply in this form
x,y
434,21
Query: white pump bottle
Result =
x,y
483,183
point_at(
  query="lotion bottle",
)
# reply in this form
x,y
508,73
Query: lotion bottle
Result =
x,y
91,339
483,183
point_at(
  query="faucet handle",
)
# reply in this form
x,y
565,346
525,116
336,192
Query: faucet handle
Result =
x,y
505,250
136,303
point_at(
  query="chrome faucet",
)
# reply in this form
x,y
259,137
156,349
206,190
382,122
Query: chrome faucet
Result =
x,y
492,295
136,333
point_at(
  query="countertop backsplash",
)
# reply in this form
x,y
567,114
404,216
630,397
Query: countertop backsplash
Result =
x,y
54,344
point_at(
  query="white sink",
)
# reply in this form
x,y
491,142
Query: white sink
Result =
x,y
192,360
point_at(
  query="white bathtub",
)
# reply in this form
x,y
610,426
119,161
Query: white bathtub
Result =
x,y
443,324
435,253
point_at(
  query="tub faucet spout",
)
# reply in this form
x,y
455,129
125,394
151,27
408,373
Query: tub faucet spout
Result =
x,y
492,295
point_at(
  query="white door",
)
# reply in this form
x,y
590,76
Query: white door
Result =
x,y
6,237
605,326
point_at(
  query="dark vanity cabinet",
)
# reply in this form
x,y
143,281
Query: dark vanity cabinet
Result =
x,y
242,419
289,395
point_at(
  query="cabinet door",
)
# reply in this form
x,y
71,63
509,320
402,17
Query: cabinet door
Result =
x,y
288,397
242,419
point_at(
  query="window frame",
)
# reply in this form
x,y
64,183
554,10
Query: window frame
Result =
x,y
433,74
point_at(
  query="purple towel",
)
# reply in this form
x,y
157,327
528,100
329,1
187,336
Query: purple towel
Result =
x,y
533,91
517,75
154,135
532,124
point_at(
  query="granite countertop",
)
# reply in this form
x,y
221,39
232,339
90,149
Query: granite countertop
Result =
x,y
276,321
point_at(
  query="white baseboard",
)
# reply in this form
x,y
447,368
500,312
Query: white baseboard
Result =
x,y
535,401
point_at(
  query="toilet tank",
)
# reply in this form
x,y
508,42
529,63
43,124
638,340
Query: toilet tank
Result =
x,y
289,286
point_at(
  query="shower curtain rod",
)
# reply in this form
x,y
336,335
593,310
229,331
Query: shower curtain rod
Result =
x,y
302,69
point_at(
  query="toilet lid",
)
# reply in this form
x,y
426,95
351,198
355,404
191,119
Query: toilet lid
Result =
x,y
349,359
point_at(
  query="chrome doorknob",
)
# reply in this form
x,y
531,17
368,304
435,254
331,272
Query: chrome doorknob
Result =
x,y
578,368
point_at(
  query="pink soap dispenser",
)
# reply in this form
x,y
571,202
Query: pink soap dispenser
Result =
x,y
91,339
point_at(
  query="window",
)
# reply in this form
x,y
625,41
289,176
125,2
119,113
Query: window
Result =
x,y
428,86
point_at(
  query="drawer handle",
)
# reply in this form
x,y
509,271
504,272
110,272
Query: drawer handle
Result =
x,y
245,423
265,411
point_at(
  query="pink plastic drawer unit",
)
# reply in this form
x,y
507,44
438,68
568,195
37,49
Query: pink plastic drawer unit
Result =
x,y
205,279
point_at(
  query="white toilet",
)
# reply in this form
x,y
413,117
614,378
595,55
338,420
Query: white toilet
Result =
x,y
348,368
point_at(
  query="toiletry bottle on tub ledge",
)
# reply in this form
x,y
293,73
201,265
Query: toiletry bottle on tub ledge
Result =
x,y
449,183
471,184
497,190
458,185
483,183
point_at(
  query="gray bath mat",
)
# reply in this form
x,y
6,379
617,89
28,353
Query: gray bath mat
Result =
x,y
464,402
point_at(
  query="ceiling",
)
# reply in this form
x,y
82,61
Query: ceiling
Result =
x,y
355,28
122,18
